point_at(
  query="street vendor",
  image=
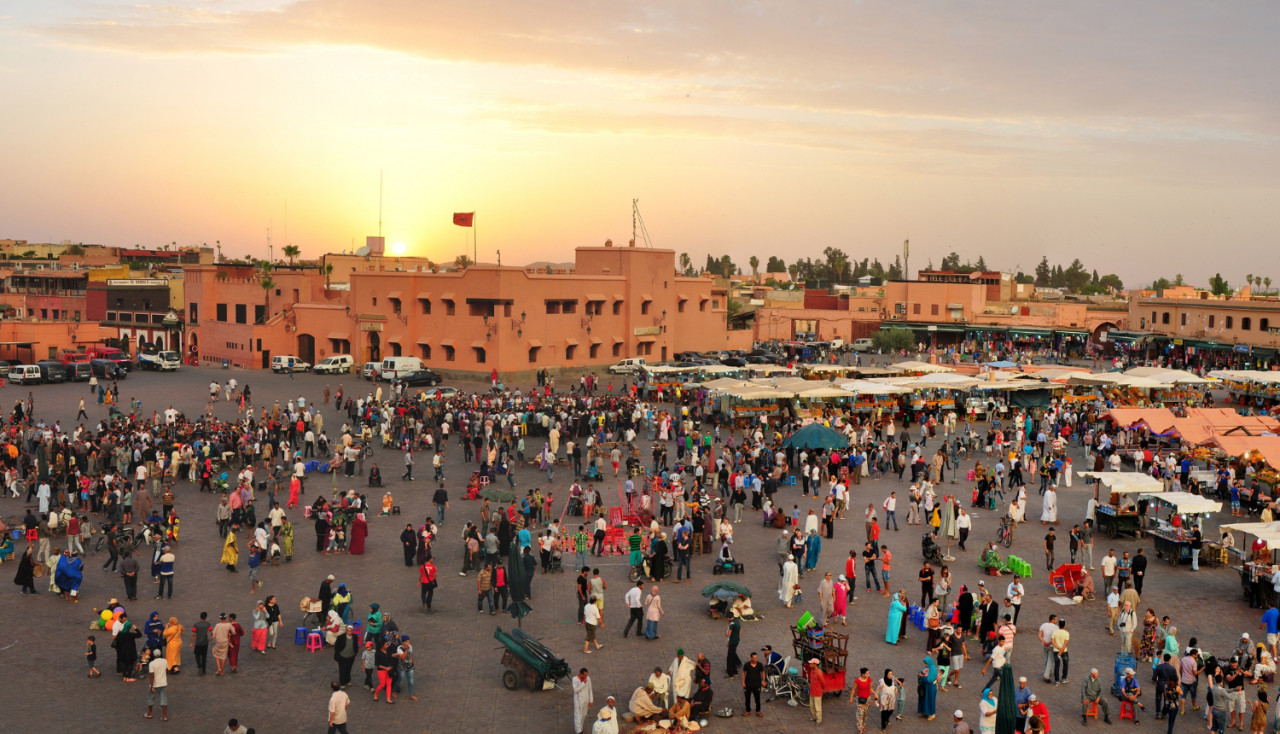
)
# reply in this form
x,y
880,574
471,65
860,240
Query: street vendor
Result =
x,y
991,559
643,704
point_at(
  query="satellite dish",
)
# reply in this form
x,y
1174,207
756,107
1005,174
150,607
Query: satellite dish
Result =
x,y
363,251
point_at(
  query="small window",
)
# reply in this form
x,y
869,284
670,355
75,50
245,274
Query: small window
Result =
x,y
375,300
1212,318
1164,319
193,313
593,351
395,305
242,313
933,309
259,314
617,308
644,308
1264,324
553,308
617,349
1246,323
570,306
1184,319
448,307
915,309
570,351
395,349
480,354
680,306
425,303
449,353
424,351
1230,322
221,312
702,305
533,354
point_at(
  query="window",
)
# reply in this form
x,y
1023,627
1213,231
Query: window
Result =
x,y
1154,318
424,351
570,351
123,316
1184,319
1263,324
617,308
375,300
617,349
915,309
481,308
449,353
259,314
395,305
425,303
644,308
222,312
111,316
1229,321
480,355
242,313
1164,319
715,303
933,309
77,318
1212,318
395,349
533,354
570,306
1246,323
593,351
448,307
702,305
680,305
193,311
119,303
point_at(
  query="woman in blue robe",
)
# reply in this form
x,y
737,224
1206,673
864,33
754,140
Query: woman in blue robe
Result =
x,y
153,629
897,608
69,574
927,689
812,548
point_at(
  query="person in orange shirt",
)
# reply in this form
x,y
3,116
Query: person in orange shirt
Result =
x,y
885,558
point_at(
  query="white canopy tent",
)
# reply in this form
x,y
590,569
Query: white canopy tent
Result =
x,y
1185,503
921,367
1125,482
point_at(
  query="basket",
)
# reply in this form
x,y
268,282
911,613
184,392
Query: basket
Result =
x,y
805,622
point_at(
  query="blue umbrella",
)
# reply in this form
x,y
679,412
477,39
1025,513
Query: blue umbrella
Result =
x,y
816,436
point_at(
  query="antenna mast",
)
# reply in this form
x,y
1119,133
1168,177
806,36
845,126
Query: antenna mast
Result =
x,y
270,252
637,225
379,202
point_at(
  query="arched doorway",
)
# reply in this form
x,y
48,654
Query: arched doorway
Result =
x,y
307,348
373,350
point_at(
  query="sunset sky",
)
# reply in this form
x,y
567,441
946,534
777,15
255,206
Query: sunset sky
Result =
x,y
1140,136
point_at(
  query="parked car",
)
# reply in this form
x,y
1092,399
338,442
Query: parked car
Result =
x,y
105,369
25,374
421,377
444,392
371,370
338,364
80,371
288,363
862,345
628,366
733,362
395,367
761,359
52,371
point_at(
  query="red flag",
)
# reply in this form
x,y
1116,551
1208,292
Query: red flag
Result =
x,y
463,219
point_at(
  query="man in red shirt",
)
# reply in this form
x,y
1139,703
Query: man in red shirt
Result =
x,y
814,674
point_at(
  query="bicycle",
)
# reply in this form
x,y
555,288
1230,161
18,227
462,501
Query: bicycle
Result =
x,y
1004,535
791,685
642,571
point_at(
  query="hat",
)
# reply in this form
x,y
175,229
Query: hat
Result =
x,y
842,578
958,714
329,577
813,661
1245,636
369,643
679,651
1023,679
1032,697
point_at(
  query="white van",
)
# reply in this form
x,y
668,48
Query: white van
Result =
x,y
338,364
396,367
288,363
628,366
24,374
863,345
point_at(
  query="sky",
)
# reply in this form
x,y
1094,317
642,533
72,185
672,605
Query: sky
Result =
x,y
1140,137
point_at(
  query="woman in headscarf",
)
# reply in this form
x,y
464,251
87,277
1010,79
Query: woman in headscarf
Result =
x,y
230,553
69,575
897,609
886,697
258,641
154,628
173,646
812,549
987,712
408,543
373,625
26,576
359,530
658,557
841,599
927,690
333,626
286,539
126,644
964,608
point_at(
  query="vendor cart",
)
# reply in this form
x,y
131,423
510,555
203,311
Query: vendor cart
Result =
x,y
1116,513
831,649
1116,522
1172,517
312,612
524,658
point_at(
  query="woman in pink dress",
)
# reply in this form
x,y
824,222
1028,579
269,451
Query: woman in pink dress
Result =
x,y
841,599
355,540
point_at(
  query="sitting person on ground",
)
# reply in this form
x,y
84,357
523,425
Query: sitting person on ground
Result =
x,y
643,704
1085,587
700,704
741,608
375,476
1265,665
726,556
991,559
387,504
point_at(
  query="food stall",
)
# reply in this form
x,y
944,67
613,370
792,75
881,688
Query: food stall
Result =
x,y
831,649
1253,556
1116,512
1171,517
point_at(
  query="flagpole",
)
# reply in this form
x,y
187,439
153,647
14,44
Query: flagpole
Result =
x,y
475,250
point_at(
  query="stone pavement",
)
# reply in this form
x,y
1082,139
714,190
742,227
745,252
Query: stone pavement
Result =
x,y
459,675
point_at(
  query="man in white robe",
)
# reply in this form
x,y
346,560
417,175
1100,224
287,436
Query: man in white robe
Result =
x,y
582,700
681,677
790,577
606,719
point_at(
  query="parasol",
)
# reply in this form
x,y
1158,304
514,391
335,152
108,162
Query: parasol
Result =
x,y
727,587
816,436
1006,703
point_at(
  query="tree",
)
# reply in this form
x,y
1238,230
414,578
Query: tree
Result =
x,y
686,264
754,262
1267,282
1044,273
1111,280
327,269
462,262
75,250
267,285
951,262
712,265
291,252
1249,279
794,271
1160,284
1219,285
893,339
1177,280
981,265
727,268
775,265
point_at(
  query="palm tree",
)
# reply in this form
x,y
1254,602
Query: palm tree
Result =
x,y
1267,282
221,275
327,269
291,252
462,262
1249,279
754,262
686,264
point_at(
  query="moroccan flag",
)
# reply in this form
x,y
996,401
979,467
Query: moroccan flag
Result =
x,y
463,219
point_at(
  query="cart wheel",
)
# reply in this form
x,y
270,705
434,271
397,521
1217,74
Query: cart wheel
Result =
x,y
510,680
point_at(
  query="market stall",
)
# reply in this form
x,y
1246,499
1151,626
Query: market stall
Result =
x,y
1117,513
1253,557
1171,518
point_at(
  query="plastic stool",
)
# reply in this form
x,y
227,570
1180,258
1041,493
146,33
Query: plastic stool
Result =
x,y
299,635
357,627
1091,710
1126,712
314,642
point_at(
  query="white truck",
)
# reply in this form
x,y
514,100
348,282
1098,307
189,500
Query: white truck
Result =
x,y
164,361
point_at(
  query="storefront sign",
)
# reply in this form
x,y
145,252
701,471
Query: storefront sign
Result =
x,y
648,330
376,326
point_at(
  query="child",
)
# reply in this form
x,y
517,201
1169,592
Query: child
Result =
x,y
342,538
333,541
368,664
797,598
91,656
795,516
